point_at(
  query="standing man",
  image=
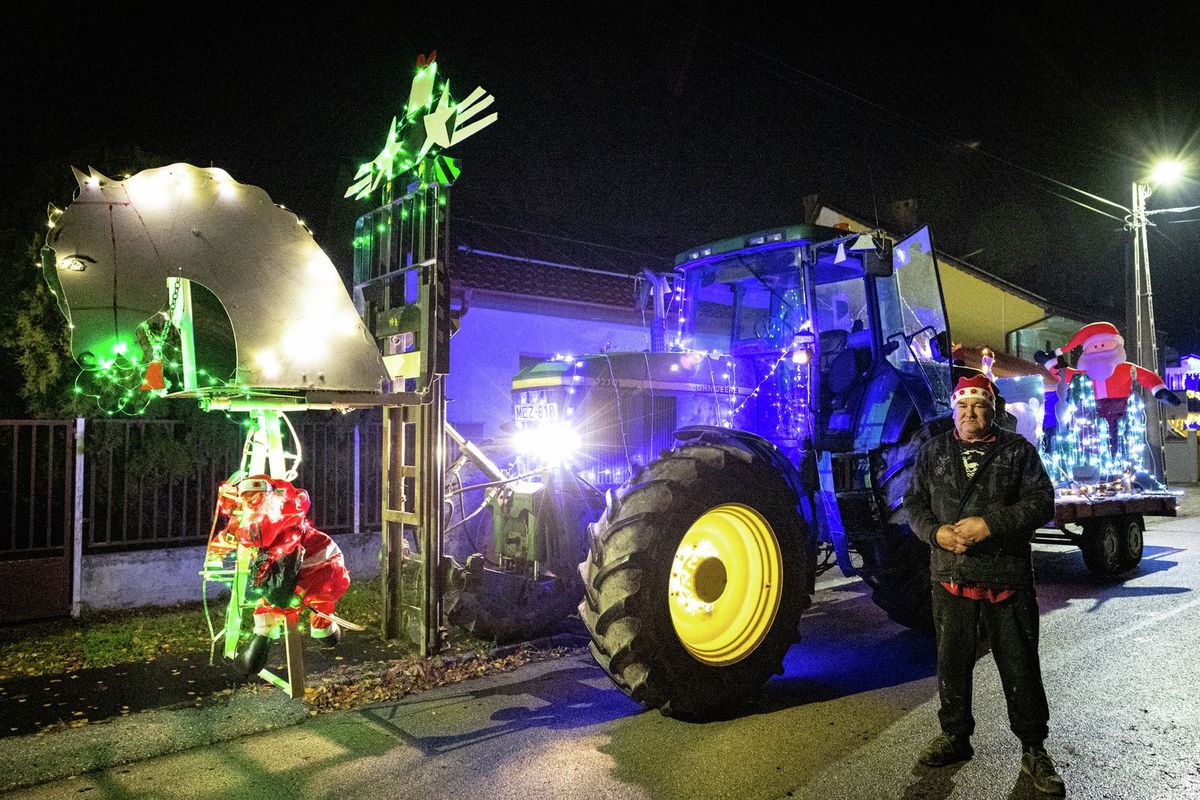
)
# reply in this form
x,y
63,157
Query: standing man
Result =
x,y
977,495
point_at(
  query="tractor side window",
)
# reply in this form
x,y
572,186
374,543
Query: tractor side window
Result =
x,y
710,315
745,302
891,321
770,311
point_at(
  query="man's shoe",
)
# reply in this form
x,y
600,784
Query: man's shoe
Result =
x,y
253,657
1038,765
944,750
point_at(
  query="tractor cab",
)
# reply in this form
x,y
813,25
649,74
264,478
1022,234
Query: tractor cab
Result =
x,y
818,312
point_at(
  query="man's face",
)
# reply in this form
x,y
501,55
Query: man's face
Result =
x,y
973,418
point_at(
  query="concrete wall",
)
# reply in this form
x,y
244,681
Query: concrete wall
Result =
x,y
171,575
1182,460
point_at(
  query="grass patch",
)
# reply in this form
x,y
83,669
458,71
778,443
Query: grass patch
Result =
x,y
137,635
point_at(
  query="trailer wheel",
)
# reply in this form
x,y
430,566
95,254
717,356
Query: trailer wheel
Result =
x,y
896,565
1102,547
697,574
1131,541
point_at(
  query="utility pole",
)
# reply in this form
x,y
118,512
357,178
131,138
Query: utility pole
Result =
x,y
1140,296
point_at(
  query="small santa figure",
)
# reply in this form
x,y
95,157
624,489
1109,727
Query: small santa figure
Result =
x,y
295,565
987,359
1104,362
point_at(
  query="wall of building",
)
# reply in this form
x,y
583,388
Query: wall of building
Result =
x,y
1183,459
982,313
485,353
172,575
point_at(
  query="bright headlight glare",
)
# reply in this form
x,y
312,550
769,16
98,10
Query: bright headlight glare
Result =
x,y
550,443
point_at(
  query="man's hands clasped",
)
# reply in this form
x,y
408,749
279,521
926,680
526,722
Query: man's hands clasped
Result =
x,y
962,535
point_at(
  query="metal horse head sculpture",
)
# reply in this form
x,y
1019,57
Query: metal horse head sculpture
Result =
x,y
119,254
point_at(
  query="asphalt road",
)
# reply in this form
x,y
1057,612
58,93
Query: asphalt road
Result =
x,y
856,704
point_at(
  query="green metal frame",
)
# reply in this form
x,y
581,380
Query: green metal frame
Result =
x,y
263,449
415,332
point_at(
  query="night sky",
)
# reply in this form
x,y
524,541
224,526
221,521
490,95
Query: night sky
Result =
x,y
655,129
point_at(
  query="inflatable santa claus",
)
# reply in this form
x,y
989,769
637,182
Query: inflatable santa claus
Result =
x,y
1104,362
295,565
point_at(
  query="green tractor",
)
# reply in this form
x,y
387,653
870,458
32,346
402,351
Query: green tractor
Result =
x,y
794,373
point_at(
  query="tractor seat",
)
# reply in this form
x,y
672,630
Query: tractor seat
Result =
x,y
832,343
849,365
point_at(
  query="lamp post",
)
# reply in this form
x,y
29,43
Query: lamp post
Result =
x,y
1145,341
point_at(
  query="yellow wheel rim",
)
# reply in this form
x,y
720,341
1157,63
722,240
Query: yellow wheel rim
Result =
x,y
726,583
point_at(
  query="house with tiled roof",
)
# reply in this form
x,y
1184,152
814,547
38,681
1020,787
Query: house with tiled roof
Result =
x,y
527,297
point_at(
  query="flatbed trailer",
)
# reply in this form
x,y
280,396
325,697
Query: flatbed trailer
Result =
x,y
1112,528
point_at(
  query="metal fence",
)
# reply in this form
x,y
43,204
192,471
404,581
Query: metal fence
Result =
x,y
37,481
152,483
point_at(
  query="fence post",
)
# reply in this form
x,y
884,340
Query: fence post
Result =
x,y
357,481
77,523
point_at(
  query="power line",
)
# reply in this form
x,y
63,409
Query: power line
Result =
x,y
926,134
545,235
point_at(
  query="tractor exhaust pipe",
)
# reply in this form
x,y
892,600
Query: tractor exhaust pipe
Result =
x,y
658,328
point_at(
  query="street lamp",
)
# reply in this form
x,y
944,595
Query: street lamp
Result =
x,y
1145,343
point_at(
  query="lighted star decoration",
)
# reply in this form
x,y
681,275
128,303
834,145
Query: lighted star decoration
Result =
x,y
430,125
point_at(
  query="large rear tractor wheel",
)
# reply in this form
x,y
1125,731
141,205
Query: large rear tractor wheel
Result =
x,y
896,563
697,575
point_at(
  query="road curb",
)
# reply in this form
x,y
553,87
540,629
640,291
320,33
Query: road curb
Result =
x,y
34,759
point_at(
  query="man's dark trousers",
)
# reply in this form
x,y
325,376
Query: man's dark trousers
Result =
x,y
1012,628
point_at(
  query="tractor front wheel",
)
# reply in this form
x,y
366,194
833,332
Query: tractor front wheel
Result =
x,y
896,562
697,574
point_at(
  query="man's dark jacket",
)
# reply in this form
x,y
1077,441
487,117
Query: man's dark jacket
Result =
x,y
1010,490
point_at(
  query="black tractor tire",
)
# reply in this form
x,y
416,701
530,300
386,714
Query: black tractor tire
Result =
x,y
896,564
1102,546
504,608
627,578
490,603
1132,541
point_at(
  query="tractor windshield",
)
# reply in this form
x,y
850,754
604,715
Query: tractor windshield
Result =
x,y
746,303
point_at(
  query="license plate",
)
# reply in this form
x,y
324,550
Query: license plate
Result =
x,y
535,411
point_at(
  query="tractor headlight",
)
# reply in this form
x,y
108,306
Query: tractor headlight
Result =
x,y
550,443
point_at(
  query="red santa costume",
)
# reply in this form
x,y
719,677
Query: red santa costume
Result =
x,y
296,565
1104,362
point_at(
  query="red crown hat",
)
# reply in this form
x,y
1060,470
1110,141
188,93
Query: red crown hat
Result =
x,y
977,387
1095,332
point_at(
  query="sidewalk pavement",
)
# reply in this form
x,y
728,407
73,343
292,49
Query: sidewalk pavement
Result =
x,y
55,726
